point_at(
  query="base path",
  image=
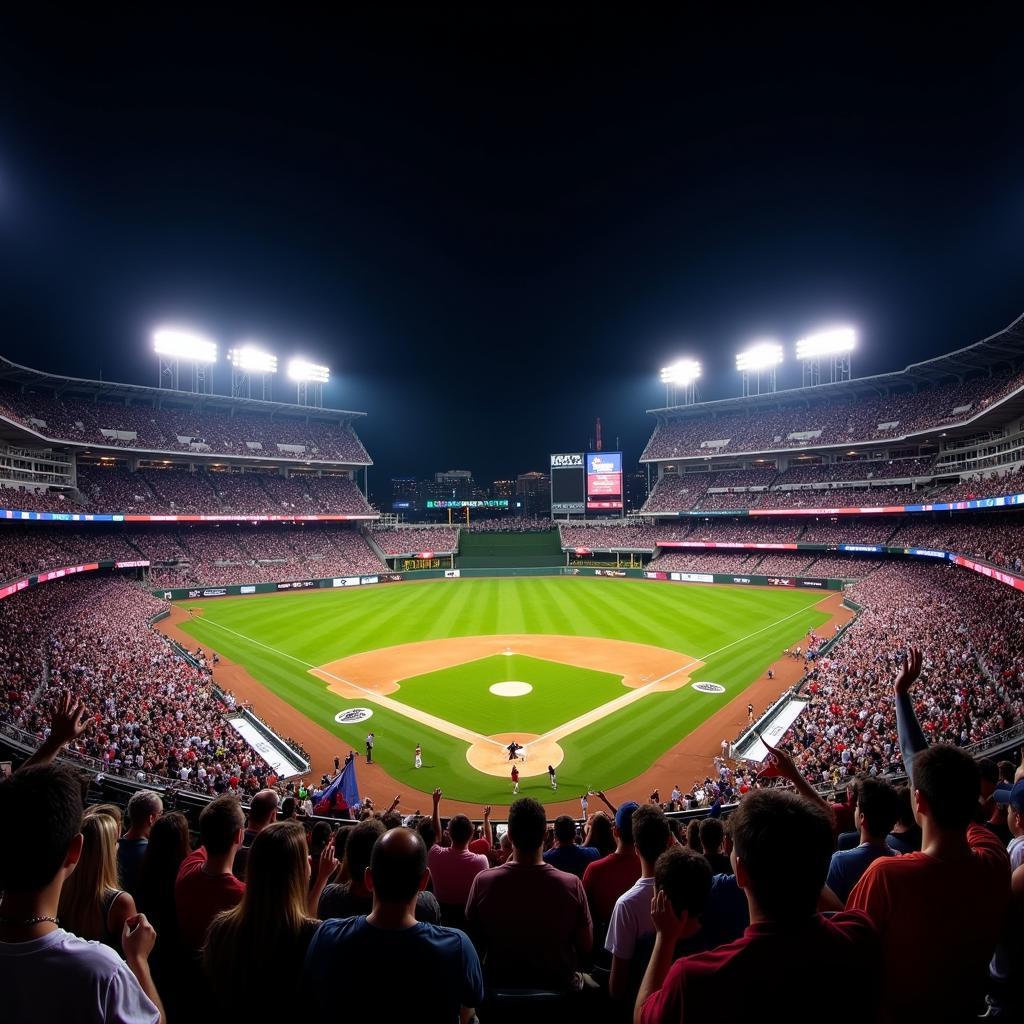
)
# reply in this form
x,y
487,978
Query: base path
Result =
x,y
374,675
687,761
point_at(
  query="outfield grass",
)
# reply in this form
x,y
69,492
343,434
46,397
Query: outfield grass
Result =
x,y
737,631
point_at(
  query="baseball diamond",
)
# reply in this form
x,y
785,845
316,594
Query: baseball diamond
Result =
x,y
609,664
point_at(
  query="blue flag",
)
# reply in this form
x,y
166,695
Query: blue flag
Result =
x,y
342,793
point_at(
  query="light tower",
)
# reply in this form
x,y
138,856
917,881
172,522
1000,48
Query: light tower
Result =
x,y
682,375
310,379
757,366
835,345
174,346
252,370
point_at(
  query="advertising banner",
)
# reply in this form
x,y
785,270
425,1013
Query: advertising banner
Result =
x,y
604,480
345,581
452,574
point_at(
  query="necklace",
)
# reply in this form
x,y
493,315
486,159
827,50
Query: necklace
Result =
x,y
28,921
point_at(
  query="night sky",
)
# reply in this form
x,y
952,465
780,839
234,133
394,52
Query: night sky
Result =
x,y
495,227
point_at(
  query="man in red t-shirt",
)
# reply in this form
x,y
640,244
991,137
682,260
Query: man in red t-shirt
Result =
x,y
940,912
515,779
529,921
782,844
205,885
605,880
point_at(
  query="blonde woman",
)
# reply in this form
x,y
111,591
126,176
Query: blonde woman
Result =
x,y
266,936
91,904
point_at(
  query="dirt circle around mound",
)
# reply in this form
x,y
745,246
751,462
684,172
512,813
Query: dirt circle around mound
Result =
x,y
493,760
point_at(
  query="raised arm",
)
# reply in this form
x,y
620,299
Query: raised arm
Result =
x,y
438,833
68,723
324,868
488,833
611,807
908,729
782,766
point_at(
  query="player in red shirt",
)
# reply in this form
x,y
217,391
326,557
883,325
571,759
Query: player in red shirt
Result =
x,y
515,779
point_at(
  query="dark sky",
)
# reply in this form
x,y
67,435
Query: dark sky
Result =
x,y
496,226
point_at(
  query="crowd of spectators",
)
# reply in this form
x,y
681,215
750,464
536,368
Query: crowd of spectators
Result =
x,y
688,492
836,420
147,427
914,893
510,524
152,713
410,540
982,485
973,686
193,553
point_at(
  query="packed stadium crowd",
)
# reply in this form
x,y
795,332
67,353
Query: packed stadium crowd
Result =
x,y
409,540
511,524
915,894
152,712
159,428
855,420
199,553
973,683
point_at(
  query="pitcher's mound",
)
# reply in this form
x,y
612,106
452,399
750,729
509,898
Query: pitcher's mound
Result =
x,y
492,758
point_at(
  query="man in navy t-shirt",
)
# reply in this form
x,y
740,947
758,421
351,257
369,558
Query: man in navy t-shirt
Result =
x,y
565,854
874,815
388,945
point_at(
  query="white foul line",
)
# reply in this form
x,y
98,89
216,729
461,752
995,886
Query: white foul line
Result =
x,y
450,728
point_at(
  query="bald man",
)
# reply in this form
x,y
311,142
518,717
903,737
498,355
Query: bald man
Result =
x,y
262,811
432,958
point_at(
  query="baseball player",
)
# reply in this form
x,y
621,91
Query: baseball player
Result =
x,y
551,776
515,779
418,760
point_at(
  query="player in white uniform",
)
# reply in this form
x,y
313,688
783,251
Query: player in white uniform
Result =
x,y
418,762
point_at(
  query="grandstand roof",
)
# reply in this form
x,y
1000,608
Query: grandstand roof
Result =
x,y
1005,347
15,373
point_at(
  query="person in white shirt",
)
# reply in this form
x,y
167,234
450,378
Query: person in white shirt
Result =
x,y
631,916
46,973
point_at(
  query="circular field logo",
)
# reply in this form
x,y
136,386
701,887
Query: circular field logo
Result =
x,y
352,716
709,687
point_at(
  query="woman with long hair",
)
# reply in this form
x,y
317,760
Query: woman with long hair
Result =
x,y
599,833
168,846
267,934
91,905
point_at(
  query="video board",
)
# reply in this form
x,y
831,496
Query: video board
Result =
x,y
604,480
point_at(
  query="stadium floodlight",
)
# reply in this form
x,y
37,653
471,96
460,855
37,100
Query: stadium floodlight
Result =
x,y
176,343
758,364
683,373
252,359
834,345
761,355
302,371
833,342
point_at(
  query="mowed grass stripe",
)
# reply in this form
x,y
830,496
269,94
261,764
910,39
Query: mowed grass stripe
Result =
x,y
324,626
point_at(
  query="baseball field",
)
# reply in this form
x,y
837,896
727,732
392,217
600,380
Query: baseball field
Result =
x,y
596,677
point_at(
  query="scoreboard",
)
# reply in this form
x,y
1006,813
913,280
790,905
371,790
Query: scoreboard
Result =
x,y
604,480
587,482
568,483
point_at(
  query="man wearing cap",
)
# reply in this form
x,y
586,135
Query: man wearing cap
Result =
x,y
1013,799
605,880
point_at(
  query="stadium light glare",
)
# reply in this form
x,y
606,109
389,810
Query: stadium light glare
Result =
x,y
300,370
176,343
252,358
762,355
834,341
681,373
